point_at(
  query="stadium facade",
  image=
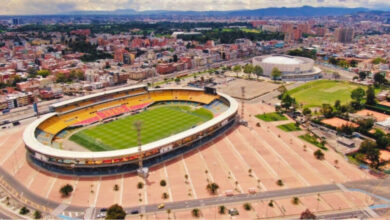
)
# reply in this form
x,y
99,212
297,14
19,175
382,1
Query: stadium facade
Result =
x,y
293,68
41,136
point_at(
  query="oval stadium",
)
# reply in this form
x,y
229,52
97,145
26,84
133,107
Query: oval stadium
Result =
x,y
293,68
97,134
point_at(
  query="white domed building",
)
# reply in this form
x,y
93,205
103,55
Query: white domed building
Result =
x,y
293,68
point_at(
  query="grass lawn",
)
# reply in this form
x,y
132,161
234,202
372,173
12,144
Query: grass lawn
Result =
x,y
273,116
316,93
157,123
313,140
289,127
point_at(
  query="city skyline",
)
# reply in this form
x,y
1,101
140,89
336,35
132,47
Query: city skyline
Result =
x,y
28,7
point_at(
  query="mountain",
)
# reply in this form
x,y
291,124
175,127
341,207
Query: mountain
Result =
x,y
301,11
306,11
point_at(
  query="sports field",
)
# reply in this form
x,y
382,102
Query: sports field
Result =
x,y
316,93
157,123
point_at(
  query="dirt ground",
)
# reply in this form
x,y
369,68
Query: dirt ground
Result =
x,y
253,89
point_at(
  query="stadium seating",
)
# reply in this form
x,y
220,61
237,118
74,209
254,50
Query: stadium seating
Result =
x,y
111,112
87,121
43,137
101,111
216,107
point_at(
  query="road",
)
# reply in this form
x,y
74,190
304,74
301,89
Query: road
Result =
x,y
240,198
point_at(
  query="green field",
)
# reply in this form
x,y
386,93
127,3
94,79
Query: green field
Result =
x,y
273,116
157,123
313,140
316,93
289,127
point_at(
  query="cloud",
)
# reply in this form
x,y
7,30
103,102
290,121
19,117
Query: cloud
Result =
x,y
59,6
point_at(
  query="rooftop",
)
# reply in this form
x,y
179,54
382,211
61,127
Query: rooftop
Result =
x,y
281,60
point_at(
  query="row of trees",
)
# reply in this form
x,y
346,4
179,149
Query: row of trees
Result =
x,y
74,75
249,69
312,54
229,37
257,70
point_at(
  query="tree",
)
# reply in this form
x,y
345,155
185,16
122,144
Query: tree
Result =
x,y
307,214
306,111
337,105
44,73
362,75
61,78
371,152
175,58
346,129
237,69
76,74
276,74
195,212
115,212
24,211
258,71
327,110
247,206
279,182
165,195
163,183
379,79
222,210
212,188
295,200
319,155
353,63
373,155
370,96
336,75
140,185
287,101
248,69
116,187
365,125
66,190
32,73
358,94
383,141
37,214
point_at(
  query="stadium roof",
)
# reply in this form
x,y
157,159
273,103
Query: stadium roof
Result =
x,y
281,60
75,100
32,143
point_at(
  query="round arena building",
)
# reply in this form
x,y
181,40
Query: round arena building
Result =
x,y
98,135
293,68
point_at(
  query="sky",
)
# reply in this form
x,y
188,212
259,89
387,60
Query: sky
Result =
x,y
13,7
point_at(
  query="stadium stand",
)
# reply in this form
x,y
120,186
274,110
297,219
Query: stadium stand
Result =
x,y
92,111
43,137
88,121
216,107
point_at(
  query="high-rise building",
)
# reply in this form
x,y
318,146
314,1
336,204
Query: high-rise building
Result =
x,y
15,21
344,35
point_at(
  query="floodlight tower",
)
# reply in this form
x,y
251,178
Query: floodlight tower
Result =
x,y
143,172
242,102
242,121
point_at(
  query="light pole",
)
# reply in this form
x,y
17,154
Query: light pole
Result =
x,y
142,172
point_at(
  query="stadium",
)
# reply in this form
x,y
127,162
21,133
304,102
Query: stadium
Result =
x,y
292,68
96,134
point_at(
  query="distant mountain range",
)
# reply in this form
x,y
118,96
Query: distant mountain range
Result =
x,y
279,12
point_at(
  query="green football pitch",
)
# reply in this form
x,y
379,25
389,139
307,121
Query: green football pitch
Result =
x,y
157,123
316,93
